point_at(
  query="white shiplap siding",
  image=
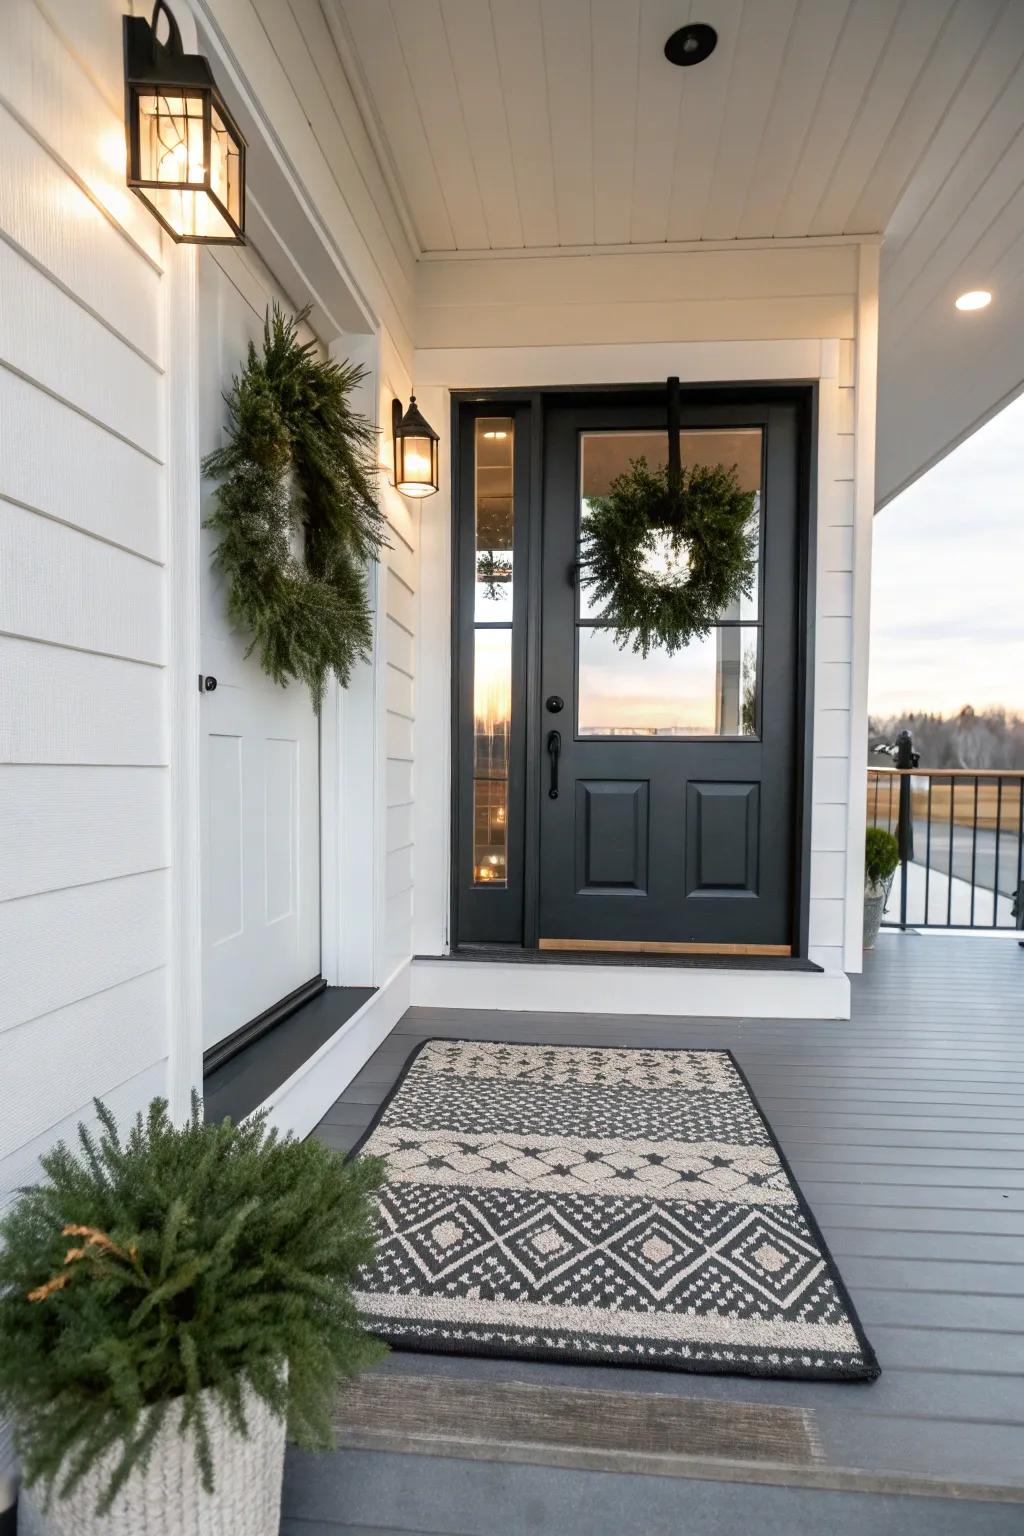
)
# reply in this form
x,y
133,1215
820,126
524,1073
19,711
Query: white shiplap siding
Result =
x,y
84,782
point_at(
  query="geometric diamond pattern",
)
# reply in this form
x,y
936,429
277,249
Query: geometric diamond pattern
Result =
x,y
640,1212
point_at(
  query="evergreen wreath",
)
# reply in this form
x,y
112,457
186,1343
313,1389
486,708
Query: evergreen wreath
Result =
x,y
298,462
143,1272
698,520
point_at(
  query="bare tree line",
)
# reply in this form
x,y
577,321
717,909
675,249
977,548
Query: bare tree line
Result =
x,y
993,738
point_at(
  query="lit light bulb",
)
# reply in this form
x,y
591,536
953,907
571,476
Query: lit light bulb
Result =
x,y
976,298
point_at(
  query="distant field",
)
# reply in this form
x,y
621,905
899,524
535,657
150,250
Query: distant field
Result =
x,y
883,801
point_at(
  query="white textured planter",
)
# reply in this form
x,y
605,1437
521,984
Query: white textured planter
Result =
x,y
168,1499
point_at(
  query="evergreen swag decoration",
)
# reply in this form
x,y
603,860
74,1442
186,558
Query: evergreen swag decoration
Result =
x,y
298,460
192,1258
700,519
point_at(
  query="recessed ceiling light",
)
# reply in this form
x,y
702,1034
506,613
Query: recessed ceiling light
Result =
x,y
978,298
692,44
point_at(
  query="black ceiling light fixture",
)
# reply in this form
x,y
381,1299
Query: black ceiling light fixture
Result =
x,y
692,44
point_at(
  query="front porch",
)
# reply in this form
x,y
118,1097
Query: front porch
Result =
x,y
905,1129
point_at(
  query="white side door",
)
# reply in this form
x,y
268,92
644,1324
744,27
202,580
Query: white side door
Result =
x,y
260,742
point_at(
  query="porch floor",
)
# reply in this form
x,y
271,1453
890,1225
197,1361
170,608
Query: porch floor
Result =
x,y
905,1129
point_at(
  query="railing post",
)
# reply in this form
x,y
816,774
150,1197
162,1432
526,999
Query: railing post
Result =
x,y
906,757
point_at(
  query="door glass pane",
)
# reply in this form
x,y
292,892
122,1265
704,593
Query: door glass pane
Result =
x,y
492,714
604,455
493,599
708,689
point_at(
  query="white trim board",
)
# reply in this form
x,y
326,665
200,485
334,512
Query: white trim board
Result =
x,y
303,1099
683,992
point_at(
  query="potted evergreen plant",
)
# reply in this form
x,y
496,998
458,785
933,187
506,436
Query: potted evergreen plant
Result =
x,y
170,1306
881,856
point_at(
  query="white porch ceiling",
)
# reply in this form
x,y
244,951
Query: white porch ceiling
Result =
x,y
537,124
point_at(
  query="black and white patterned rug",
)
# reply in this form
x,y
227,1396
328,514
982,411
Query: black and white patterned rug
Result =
x,y
619,1206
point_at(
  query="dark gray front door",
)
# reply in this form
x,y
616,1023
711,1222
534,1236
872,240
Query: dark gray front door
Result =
x,y
673,824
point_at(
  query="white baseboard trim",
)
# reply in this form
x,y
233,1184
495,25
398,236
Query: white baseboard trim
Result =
x,y
303,1099
688,992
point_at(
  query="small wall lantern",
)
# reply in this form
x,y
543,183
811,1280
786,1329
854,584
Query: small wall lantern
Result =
x,y
186,157
415,444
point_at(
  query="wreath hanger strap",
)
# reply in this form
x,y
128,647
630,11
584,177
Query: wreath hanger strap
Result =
x,y
675,468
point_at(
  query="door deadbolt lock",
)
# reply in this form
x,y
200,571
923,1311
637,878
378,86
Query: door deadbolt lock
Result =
x,y
554,705
207,684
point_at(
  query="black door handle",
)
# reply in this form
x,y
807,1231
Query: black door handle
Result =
x,y
554,749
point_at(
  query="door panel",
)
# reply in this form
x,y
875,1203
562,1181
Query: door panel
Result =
x,y
611,836
723,831
260,752
674,824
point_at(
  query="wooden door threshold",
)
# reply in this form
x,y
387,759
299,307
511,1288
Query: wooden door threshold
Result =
x,y
658,947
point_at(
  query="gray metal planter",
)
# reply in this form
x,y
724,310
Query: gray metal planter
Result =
x,y
875,898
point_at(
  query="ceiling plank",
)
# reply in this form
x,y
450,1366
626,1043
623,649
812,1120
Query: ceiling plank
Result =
x,y
858,51
375,40
615,40
907,51
987,80
964,36
811,46
659,93
757,65
566,26
475,62
974,192
519,38
705,91
424,45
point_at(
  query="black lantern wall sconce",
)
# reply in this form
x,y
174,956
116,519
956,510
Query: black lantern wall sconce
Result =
x,y
186,157
415,449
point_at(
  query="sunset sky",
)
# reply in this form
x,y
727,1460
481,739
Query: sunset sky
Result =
x,y
947,621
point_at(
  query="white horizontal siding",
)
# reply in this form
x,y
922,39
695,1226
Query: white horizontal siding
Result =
x,y
68,944
73,707
104,1038
58,227
54,577
84,806
76,825
57,462
49,338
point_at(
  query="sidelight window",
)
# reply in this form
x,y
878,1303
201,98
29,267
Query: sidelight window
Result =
x,y
492,646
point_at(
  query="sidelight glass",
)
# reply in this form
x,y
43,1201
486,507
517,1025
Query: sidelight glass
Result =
x,y
708,689
493,545
492,646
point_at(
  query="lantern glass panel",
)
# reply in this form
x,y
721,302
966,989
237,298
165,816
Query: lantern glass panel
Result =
x,y
416,466
225,167
171,139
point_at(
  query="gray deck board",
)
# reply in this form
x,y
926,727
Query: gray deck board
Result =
x,y
905,1130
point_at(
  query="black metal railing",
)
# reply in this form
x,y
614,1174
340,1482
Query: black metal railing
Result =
x,y
961,838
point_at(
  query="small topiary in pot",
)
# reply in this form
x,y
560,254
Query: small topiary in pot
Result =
x,y
169,1305
881,856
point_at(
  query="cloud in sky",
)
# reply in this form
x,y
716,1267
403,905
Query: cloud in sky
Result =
x,y
947,606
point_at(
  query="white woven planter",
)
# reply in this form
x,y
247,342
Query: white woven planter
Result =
x,y
168,1499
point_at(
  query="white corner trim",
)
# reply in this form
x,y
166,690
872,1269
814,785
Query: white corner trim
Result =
x,y
630,990
865,406
183,517
304,1098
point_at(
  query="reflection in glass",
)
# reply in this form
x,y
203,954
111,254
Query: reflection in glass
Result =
x,y
708,689
604,455
492,716
493,546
